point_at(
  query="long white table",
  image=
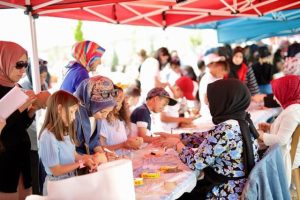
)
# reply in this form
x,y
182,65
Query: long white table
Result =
x,y
258,115
154,189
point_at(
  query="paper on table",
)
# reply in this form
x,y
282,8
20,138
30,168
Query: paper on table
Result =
x,y
112,181
12,101
36,197
117,180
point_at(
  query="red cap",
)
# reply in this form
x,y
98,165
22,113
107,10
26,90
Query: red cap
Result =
x,y
187,87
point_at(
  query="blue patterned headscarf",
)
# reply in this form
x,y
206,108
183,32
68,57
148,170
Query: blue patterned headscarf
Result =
x,y
90,94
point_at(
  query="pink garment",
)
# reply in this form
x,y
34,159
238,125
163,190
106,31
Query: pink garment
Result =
x,y
287,90
10,53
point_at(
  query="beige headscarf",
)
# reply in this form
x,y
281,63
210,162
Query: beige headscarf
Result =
x,y
10,53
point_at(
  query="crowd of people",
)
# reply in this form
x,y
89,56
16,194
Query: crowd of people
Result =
x,y
92,120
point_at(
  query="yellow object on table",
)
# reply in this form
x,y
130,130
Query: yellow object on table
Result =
x,y
138,181
150,175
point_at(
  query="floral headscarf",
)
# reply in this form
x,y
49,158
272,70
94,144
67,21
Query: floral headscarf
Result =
x,y
91,94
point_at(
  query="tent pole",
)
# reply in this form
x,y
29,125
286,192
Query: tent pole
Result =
x,y
35,71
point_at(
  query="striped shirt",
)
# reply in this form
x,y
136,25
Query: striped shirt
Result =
x,y
251,81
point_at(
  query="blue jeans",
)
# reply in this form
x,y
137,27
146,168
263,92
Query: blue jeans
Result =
x,y
265,89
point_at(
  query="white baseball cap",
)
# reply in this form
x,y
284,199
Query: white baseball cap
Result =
x,y
211,58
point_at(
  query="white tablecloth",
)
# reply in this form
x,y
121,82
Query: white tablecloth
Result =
x,y
154,189
257,116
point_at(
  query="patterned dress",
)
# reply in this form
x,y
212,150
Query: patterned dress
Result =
x,y
221,148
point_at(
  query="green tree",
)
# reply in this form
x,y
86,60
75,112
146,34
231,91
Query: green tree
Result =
x,y
196,41
78,34
114,62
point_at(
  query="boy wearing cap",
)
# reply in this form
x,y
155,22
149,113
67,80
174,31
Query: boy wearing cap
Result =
x,y
142,116
182,90
217,69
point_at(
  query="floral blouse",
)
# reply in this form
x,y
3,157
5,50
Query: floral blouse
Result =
x,y
221,148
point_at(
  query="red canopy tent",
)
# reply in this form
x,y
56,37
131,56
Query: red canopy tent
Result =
x,y
165,13
160,13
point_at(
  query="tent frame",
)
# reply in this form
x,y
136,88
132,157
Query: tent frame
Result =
x,y
238,9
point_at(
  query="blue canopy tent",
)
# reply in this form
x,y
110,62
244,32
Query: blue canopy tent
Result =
x,y
255,28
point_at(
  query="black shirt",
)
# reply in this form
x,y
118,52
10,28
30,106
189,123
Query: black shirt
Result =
x,y
141,114
15,159
263,73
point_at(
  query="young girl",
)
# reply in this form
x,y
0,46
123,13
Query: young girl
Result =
x,y
114,130
57,139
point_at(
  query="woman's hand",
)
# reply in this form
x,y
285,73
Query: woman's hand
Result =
x,y
167,135
170,142
31,99
265,127
41,100
2,124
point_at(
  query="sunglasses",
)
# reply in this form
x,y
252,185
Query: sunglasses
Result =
x,y
106,93
21,64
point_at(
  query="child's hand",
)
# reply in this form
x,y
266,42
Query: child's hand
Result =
x,y
187,120
134,143
89,162
99,158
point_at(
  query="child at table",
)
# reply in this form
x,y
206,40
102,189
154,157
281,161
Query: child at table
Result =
x,y
116,128
57,138
287,93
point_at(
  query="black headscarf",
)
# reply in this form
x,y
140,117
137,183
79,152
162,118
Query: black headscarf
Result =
x,y
229,99
233,73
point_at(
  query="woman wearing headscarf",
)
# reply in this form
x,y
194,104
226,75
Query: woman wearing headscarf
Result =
x,y
287,93
15,177
239,70
87,55
226,153
96,97
263,70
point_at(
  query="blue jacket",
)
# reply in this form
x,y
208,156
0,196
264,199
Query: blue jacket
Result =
x,y
75,75
267,180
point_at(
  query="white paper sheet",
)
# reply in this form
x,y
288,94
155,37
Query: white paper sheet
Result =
x,y
36,197
112,181
11,102
117,179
